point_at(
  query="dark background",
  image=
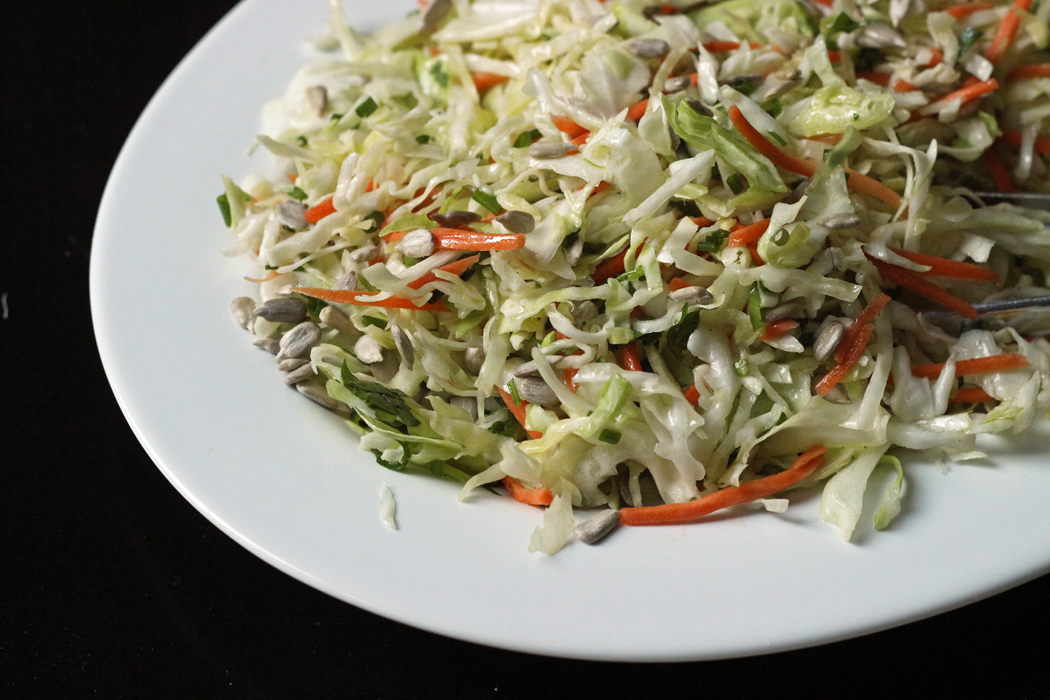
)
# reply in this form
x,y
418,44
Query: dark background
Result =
x,y
111,585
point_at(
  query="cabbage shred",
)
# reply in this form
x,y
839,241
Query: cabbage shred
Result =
x,y
415,124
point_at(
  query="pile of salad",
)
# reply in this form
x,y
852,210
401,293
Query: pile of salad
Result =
x,y
657,259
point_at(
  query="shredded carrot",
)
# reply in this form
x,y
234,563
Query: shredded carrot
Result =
x,y
702,221
668,9
676,283
870,311
692,394
909,280
872,77
694,79
457,267
346,296
832,139
518,411
825,3
780,328
852,345
866,185
763,146
678,513
1004,34
638,111
272,275
567,126
629,358
721,46
902,85
747,234
612,267
484,81
570,374
1034,70
319,211
950,268
755,257
834,56
466,239
1013,138
963,94
532,497
968,8
971,394
581,139
980,365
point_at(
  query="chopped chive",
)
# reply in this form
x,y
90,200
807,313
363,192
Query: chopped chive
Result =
x,y
373,321
377,218
772,107
336,117
781,237
224,207
301,140
423,138
526,138
967,39
297,194
777,137
366,108
735,183
754,307
487,200
712,243
514,396
437,71
610,436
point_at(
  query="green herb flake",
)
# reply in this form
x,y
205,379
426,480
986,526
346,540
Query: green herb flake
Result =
x,y
772,107
735,183
382,399
373,321
301,140
366,108
610,436
778,138
967,40
781,237
526,138
713,241
437,72
487,200
377,218
741,367
297,194
754,307
224,207
422,139
514,396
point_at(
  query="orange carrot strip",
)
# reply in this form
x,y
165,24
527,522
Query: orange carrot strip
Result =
x,y
346,296
720,46
319,211
677,513
980,365
581,139
763,146
747,234
702,221
937,57
909,280
866,185
971,394
872,77
1034,70
755,257
532,497
902,85
567,126
950,268
825,3
570,374
638,111
457,267
1013,138
963,94
629,358
484,81
612,267
694,79
518,411
777,329
273,274
832,139
1004,34
968,8
870,311
849,353
692,394
455,239
676,283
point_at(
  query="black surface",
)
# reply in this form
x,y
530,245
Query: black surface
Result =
x,y
111,585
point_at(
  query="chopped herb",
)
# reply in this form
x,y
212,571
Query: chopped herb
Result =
x,y
336,117
967,39
373,321
487,200
842,23
314,306
437,71
741,367
772,107
383,399
777,137
735,183
610,436
781,237
297,194
377,218
514,396
366,108
270,267
713,241
422,138
754,307
526,138
301,140
224,207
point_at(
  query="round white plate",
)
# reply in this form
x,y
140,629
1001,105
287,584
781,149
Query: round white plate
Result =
x,y
284,478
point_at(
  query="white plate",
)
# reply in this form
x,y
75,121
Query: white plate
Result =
x,y
283,477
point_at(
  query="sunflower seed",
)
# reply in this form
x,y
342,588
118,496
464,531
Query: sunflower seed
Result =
x,y
282,310
299,374
473,359
292,363
403,341
368,350
527,369
699,107
746,81
433,14
298,341
840,222
318,394
780,87
364,253
517,221
879,35
828,338
786,310
592,530
535,390
677,84
384,370
334,318
242,308
691,295
290,213
317,98
416,244
572,255
455,218
546,150
649,48
346,282
467,404
270,345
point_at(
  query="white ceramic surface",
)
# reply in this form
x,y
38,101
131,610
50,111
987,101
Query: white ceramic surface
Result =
x,y
284,478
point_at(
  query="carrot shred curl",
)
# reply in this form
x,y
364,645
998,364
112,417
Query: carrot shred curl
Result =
x,y
484,81
1004,34
968,8
532,497
568,126
457,268
852,345
638,111
950,268
855,181
273,275
873,77
776,329
971,394
1003,181
746,235
346,296
518,411
967,92
319,211
909,280
629,358
692,394
1034,70
979,365
1013,139
678,513
465,239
